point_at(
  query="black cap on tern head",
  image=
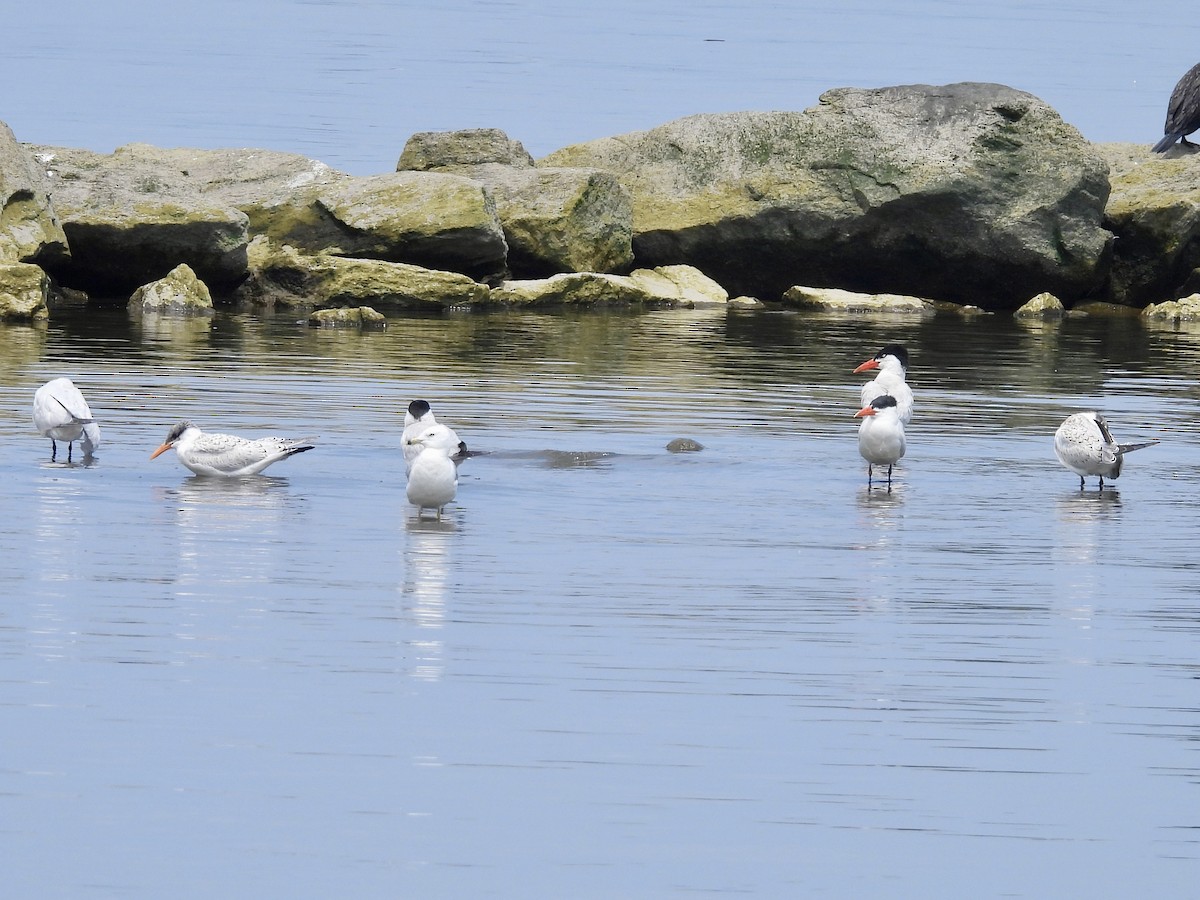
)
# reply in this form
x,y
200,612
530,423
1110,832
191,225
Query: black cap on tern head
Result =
x,y
896,350
418,408
883,401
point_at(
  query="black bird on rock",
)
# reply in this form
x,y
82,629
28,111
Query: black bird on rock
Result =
x,y
1183,111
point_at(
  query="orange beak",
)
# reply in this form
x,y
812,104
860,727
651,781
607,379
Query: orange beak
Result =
x,y
161,450
866,411
867,366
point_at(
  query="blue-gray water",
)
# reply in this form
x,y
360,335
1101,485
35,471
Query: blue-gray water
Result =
x,y
348,81
610,671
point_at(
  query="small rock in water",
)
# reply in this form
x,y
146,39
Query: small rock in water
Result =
x,y
684,445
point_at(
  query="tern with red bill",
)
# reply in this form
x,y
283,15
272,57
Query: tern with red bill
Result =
x,y
892,365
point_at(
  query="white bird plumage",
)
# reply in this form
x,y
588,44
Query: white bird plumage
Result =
x,y
61,414
892,365
881,435
417,419
1084,445
432,475
226,454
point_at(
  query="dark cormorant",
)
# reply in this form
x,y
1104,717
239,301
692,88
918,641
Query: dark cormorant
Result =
x,y
1183,111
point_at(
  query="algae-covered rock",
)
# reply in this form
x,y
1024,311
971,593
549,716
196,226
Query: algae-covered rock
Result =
x,y
130,217
554,219
179,293
29,229
837,300
674,287
24,291
973,193
1185,309
574,289
285,276
1044,306
685,285
1154,211
437,150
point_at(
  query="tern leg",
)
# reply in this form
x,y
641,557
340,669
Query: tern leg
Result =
x,y
70,447
889,479
53,450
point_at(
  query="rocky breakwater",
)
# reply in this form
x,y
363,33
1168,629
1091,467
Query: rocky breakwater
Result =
x,y
968,193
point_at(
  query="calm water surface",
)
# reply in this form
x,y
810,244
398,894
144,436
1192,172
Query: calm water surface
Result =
x,y
609,671
349,81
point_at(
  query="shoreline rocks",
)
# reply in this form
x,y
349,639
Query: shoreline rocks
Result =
x,y
972,194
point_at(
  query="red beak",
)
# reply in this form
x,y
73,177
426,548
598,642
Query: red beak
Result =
x,y
866,411
867,366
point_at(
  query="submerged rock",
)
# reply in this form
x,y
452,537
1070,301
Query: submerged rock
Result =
x,y
347,317
837,300
1185,309
684,445
1044,306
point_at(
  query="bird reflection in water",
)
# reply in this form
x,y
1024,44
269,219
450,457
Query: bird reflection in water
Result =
x,y
427,564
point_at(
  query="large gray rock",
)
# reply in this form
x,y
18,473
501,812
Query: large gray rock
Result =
x,y
434,220
554,219
1154,211
29,229
130,217
967,192
133,215
284,276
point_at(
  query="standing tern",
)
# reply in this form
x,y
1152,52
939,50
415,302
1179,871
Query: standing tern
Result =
x,y
881,435
418,419
892,363
61,414
226,454
1084,445
432,475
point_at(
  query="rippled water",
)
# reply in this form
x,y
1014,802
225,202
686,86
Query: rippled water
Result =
x,y
609,671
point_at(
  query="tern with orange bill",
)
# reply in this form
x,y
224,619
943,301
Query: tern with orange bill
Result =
x,y
892,365
227,455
